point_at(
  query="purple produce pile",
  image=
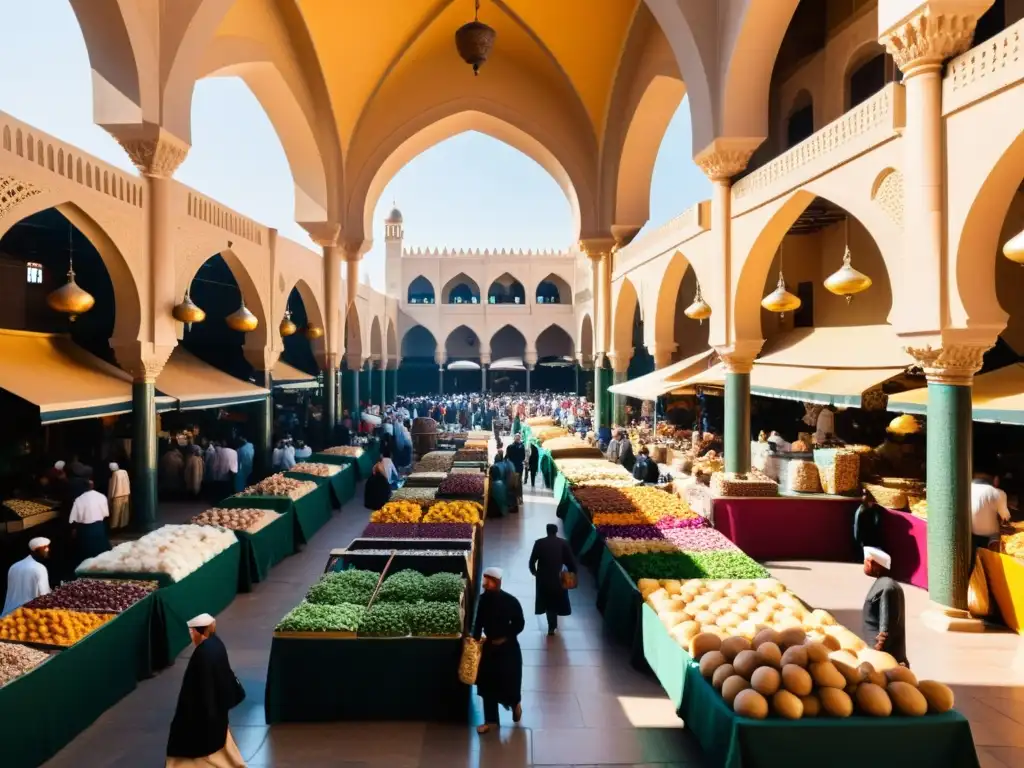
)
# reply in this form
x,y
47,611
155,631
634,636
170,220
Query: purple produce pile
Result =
x,y
462,485
419,531
95,595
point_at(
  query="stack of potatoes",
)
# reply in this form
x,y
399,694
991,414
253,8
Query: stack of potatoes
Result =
x,y
786,674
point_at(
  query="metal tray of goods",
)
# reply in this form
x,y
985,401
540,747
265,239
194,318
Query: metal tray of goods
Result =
x,y
450,545
427,562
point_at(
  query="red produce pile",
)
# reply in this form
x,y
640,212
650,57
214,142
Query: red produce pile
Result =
x,y
95,595
461,486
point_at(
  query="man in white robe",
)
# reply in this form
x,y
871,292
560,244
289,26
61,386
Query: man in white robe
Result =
x,y
119,493
27,579
89,531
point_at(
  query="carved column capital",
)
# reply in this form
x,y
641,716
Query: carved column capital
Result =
x,y
662,354
586,362
328,361
323,233
950,363
155,152
355,362
932,33
725,157
354,250
739,356
597,248
142,360
393,363
440,358
485,358
619,359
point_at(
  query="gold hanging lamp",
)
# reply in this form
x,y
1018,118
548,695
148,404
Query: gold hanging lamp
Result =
x,y
699,310
242,319
287,327
1014,248
70,299
187,311
780,300
474,41
314,332
847,281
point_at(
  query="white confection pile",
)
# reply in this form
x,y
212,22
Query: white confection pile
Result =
x,y
176,550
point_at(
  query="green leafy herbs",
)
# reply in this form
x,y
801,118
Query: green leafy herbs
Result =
x,y
406,586
337,588
443,587
386,619
692,565
435,618
312,617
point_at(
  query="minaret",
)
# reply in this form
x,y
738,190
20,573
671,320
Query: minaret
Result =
x,y
393,234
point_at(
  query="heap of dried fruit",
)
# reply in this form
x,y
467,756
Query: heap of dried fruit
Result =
x,y
352,451
16,660
461,486
279,485
24,508
94,595
236,519
319,470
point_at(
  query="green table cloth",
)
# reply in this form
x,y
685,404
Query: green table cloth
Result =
x,y
547,467
262,550
560,490
309,513
47,708
208,589
316,680
363,464
730,741
342,485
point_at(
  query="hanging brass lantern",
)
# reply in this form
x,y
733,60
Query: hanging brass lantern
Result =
x,y
780,300
847,281
70,299
242,320
474,41
699,310
188,312
1014,248
314,332
287,327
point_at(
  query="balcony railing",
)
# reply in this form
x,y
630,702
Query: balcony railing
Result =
x,y
995,64
671,234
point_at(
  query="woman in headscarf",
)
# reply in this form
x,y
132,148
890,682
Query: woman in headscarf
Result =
x,y
499,619
377,492
194,471
499,488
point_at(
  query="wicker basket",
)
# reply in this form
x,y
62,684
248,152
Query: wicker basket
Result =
x,y
727,484
803,477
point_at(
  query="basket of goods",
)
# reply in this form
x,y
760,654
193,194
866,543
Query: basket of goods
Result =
x,y
279,485
318,470
752,484
424,434
250,520
838,469
461,486
418,495
17,659
868,460
803,477
351,451
435,461
893,498
425,479
465,455
544,434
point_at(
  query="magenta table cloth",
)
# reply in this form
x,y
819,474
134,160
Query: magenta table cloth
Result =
x,y
905,538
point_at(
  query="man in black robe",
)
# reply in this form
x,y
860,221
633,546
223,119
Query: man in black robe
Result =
x,y
867,522
516,454
547,560
499,618
885,613
199,732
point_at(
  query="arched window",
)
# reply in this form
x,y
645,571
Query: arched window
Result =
x,y
871,77
553,290
421,291
506,290
461,289
801,120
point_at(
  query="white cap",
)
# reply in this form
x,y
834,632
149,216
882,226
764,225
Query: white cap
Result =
x,y
200,621
38,543
494,573
113,466
880,557
58,465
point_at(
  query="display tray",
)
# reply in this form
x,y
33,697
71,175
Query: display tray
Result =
x,y
335,635
731,741
410,544
25,523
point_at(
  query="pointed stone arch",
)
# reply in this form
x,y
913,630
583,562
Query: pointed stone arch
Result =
x,y
461,279
507,341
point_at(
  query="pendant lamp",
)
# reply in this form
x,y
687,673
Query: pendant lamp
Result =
x,y
242,319
188,312
287,327
70,299
780,300
699,310
314,332
847,281
474,41
1014,248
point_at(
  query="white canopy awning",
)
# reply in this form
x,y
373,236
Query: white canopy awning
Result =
x,y
508,364
664,380
463,365
996,396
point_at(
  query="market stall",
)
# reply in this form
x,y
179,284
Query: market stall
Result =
x,y
1004,575
265,538
368,645
50,704
342,481
363,457
196,568
308,501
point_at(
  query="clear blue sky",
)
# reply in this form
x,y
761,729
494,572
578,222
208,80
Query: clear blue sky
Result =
x,y
470,191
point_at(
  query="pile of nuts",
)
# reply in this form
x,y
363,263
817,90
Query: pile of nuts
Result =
x,y
235,519
320,470
279,485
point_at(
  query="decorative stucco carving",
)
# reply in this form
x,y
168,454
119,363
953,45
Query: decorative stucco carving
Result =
x,y
949,364
143,361
619,359
889,196
597,248
739,356
158,156
723,164
14,192
929,38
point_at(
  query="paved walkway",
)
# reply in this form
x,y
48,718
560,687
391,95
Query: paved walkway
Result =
x,y
582,703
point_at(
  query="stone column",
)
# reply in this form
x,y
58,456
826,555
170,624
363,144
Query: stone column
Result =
x,y
440,358
382,367
393,365
530,361
599,251
485,360
950,372
329,416
738,362
263,361
662,354
355,365
620,374
919,42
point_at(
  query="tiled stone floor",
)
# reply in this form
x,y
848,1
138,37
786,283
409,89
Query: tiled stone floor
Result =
x,y
583,705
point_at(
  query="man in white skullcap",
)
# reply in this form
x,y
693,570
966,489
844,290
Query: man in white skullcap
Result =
x,y
499,618
119,494
27,579
885,615
199,732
